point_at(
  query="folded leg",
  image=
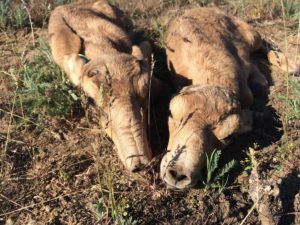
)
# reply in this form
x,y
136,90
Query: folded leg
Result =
x,y
65,46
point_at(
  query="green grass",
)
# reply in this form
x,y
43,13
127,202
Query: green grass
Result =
x,y
4,14
43,90
110,207
294,100
14,15
270,9
291,100
61,2
292,9
20,17
248,163
159,32
217,177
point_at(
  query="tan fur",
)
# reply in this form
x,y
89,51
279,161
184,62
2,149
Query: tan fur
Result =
x,y
210,52
116,76
280,60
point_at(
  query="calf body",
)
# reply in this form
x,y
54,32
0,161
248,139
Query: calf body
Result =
x,y
113,72
208,52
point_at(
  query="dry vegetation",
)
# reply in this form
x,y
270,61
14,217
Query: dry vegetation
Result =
x,y
58,167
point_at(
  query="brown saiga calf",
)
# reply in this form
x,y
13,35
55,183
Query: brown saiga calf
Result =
x,y
90,43
208,51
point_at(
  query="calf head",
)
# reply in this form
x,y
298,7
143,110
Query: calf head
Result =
x,y
201,118
119,86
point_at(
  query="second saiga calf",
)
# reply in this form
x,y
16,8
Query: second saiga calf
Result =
x,y
90,43
209,53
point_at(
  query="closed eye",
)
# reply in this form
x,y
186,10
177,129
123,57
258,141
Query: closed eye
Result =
x,y
93,73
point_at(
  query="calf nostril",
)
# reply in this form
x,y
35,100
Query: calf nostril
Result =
x,y
176,176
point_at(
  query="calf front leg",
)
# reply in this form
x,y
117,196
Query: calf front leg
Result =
x,y
65,46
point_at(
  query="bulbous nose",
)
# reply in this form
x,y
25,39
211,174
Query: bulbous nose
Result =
x,y
177,178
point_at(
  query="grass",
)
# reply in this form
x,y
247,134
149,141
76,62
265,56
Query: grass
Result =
x,y
247,163
20,17
159,31
3,13
266,9
290,97
16,15
291,100
42,89
217,177
292,9
112,207
108,208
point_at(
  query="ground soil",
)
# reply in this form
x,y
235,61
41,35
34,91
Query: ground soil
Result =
x,y
57,173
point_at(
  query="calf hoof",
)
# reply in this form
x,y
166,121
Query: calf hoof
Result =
x,y
136,164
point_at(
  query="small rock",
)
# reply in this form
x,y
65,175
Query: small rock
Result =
x,y
9,221
279,181
267,188
47,208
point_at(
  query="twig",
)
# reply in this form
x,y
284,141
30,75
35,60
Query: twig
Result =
x,y
41,203
150,85
285,214
30,21
1,195
254,170
9,123
249,213
30,121
90,129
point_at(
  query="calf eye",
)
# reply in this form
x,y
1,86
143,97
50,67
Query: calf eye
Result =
x,y
93,73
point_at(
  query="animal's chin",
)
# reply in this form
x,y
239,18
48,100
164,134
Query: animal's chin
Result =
x,y
186,188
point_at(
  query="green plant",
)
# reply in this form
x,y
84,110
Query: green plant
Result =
x,y
214,178
267,8
119,217
3,13
61,2
44,90
20,16
247,163
112,208
64,175
285,149
292,100
292,9
159,31
179,2
204,2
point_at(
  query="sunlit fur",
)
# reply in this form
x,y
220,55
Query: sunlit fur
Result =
x,y
116,76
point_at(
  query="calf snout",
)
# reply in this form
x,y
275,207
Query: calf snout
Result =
x,y
177,178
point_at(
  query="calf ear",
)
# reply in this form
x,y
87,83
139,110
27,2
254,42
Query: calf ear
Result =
x,y
234,124
179,107
141,85
143,53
